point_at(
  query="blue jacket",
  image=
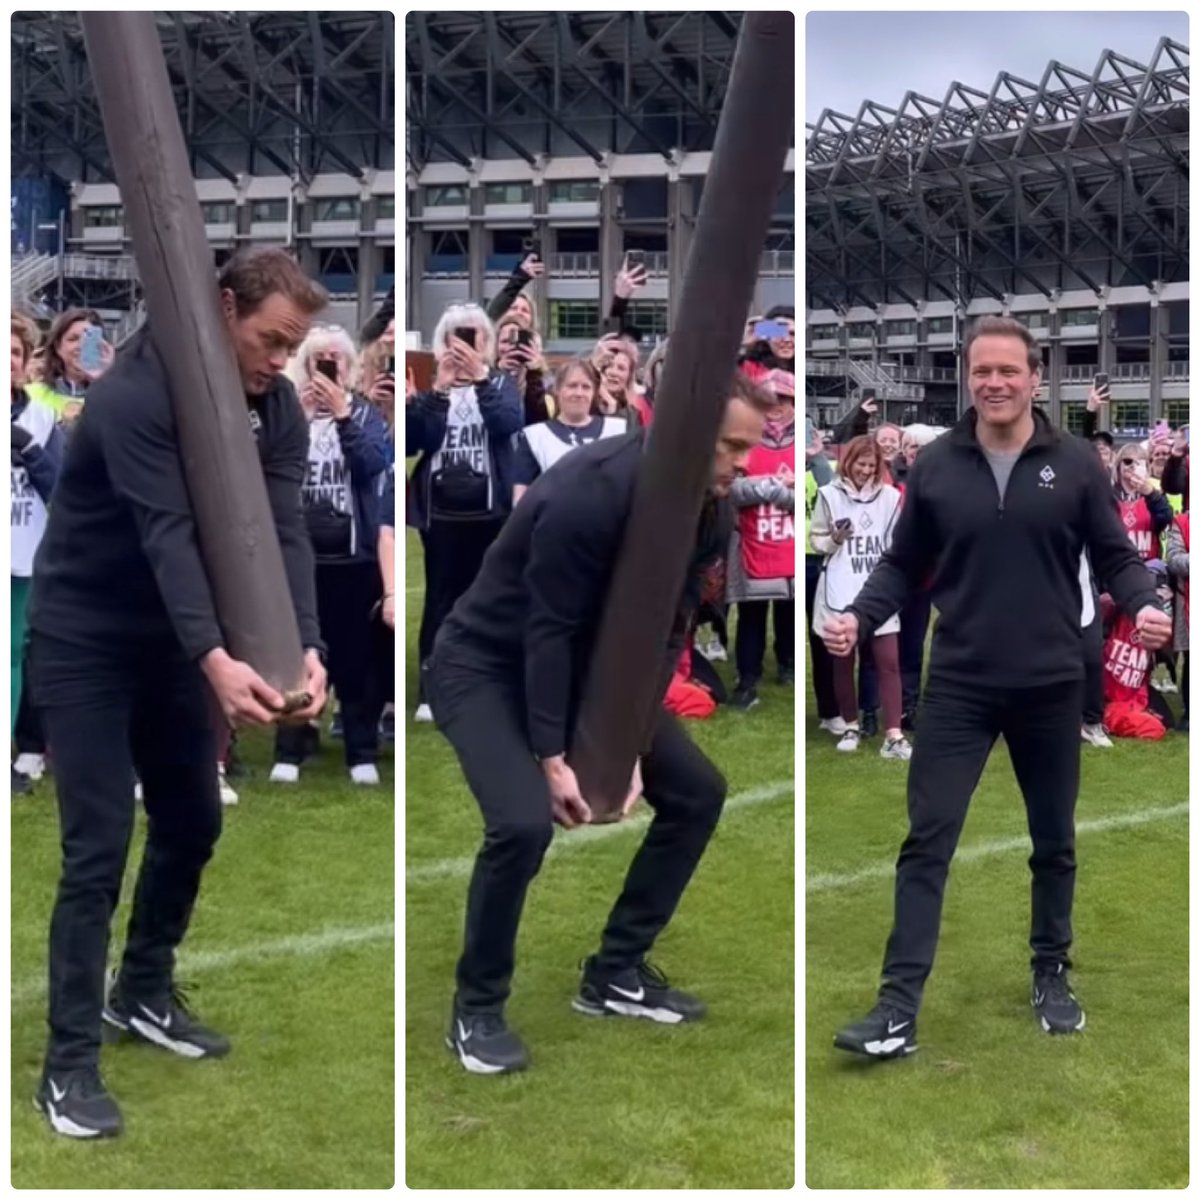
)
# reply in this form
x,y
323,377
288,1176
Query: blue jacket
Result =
x,y
42,462
364,436
425,416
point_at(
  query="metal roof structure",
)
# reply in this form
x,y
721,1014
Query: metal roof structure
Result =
x,y
257,92
499,84
1076,181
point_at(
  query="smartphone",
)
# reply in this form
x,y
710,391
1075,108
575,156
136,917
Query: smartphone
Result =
x,y
532,245
328,368
771,329
90,349
524,337
1100,383
844,525
635,260
389,366
867,396
1187,435
466,334
1162,430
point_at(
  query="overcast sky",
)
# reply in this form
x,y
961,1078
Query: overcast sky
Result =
x,y
856,56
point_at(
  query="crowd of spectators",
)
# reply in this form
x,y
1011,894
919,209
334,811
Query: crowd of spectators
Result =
x,y
854,488
498,415
346,389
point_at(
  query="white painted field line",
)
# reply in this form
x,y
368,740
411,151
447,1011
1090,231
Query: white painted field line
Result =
x,y
303,945
460,868
981,850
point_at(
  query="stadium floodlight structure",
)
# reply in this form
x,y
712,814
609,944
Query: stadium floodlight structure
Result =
x,y
1078,181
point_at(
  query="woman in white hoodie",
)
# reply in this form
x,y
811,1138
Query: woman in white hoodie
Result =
x,y
852,526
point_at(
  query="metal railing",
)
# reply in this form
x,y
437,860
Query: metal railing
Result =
x,y
777,262
1177,370
99,266
574,264
128,325
31,274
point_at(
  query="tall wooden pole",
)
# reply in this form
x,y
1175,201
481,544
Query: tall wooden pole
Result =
x,y
743,181
220,462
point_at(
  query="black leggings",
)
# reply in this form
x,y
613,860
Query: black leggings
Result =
x,y
751,644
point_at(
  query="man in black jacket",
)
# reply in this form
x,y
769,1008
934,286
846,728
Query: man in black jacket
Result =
x,y
505,681
126,654
997,512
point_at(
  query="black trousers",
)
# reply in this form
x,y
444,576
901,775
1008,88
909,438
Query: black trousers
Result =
x,y
914,625
750,647
482,716
106,714
454,551
27,733
1093,664
959,726
820,662
346,595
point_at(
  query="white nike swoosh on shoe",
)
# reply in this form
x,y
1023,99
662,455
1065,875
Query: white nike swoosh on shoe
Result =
x,y
464,1034
58,1095
165,1022
640,994
896,1028
1038,997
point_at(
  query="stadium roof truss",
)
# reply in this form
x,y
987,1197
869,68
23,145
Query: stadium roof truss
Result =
x,y
304,92
1079,181
473,78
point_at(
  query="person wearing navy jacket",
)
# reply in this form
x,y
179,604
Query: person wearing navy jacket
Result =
x,y
461,488
996,514
347,442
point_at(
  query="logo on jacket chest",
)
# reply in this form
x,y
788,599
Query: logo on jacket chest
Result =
x,y
1046,477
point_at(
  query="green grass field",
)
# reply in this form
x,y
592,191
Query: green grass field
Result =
x,y
990,1100
292,954
610,1104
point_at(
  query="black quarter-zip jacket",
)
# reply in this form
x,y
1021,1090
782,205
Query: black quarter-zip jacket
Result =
x,y
533,613
1005,569
120,564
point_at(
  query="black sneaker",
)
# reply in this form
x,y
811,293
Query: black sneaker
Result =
x,y
167,1022
787,676
885,1032
22,785
640,991
744,698
869,725
1054,1002
387,727
484,1044
77,1104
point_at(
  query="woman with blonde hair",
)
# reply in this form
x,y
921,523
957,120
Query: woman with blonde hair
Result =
x,y
461,489
616,360
1145,511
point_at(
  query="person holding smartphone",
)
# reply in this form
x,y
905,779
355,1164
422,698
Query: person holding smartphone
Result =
x,y
1145,511
774,342
852,527
462,484
520,357
75,356
347,440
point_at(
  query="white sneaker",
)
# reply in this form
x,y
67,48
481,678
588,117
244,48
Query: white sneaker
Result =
x,y
849,742
228,795
33,765
899,747
717,652
366,774
835,725
1095,735
285,773
424,714
1164,686
137,791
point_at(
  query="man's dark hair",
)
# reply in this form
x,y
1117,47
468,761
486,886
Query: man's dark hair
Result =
x,y
781,312
754,394
257,272
994,326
